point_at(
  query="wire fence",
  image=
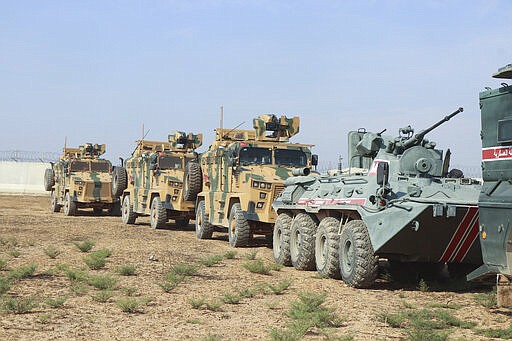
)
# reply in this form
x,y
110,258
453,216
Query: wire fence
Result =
x,y
28,156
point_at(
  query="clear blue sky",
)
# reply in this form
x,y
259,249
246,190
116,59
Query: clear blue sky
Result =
x,y
94,71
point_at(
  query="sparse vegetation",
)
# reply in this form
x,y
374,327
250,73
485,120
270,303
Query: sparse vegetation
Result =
x,y
103,295
128,304
211,260
251,255
85,246
3,264
184,269
13,253
197,303
229,298
230,255
423,286
487,299
102,282
280,287
504,333
5,285
23,271
305,313
19,305
257,266
51,251
126,270
95,261
56,302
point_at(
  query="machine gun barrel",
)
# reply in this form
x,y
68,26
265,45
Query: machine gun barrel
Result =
x,y
419,136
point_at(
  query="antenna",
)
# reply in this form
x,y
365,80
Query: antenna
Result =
x,y
65,144
221,118
227,134
142,140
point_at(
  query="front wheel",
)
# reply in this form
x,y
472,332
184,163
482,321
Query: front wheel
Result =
x,y
358,263
238,230
302,241
281,239
158,215
204,230
128,216
55,207
69,205
326,248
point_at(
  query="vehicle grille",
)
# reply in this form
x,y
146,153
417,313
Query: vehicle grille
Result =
x,y
277,190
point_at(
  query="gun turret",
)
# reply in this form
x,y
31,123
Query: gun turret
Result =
x,y
416,139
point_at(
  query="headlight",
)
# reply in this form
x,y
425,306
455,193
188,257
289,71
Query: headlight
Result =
x,y
262,185
255,184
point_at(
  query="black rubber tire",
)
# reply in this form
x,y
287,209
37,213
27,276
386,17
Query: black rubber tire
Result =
x,y
55,207
69,205
49,179
128,216
97,210
192,181
119,181
326,248
281,239
115,209
204,230
239,231
158,214
358,263
302,241
181,222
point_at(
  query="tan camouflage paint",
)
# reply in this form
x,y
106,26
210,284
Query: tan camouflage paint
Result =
x,y
88,188
226,183
145,183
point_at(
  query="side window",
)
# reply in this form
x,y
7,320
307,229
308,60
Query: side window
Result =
x,y
505,131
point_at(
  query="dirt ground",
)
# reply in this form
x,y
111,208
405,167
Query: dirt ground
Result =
x,y
28,226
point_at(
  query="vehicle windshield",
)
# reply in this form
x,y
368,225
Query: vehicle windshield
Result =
x,y
255,156
79,166
169,162
290,157
100,166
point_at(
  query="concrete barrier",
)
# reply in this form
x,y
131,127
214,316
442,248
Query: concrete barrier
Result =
x,y
22,177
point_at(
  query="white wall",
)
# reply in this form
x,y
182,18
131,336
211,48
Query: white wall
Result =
x,y
22,177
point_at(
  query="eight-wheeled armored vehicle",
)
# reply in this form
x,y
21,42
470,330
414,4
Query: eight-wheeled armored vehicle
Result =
x,y
160,179
243,171
397,201
81,179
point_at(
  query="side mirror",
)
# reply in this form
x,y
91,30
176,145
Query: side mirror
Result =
x,y
382,173
314,160
152,166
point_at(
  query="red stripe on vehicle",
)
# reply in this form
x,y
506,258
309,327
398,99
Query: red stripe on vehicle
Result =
x,y
464,249
496,153
459,233
316,202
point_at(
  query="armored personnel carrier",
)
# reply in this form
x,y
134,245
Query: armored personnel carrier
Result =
x,y
81,179
160,179
495,201
398,201
243,171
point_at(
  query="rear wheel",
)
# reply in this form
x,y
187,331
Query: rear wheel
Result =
x,y
69,205
302,242
281,239
358,263
239,230
158,215
326,248
55,207
128,216
204,230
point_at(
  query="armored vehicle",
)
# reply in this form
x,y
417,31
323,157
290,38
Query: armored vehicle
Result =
x,y
243,171
495,201
160,179
398,201
81,179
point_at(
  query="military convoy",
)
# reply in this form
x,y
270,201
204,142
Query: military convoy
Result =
x,y
242,172
81,179
398,201
160,179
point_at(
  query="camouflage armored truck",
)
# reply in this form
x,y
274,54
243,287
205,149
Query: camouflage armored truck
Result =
x,y
157,181
495,201
81,179
243,171
399,202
